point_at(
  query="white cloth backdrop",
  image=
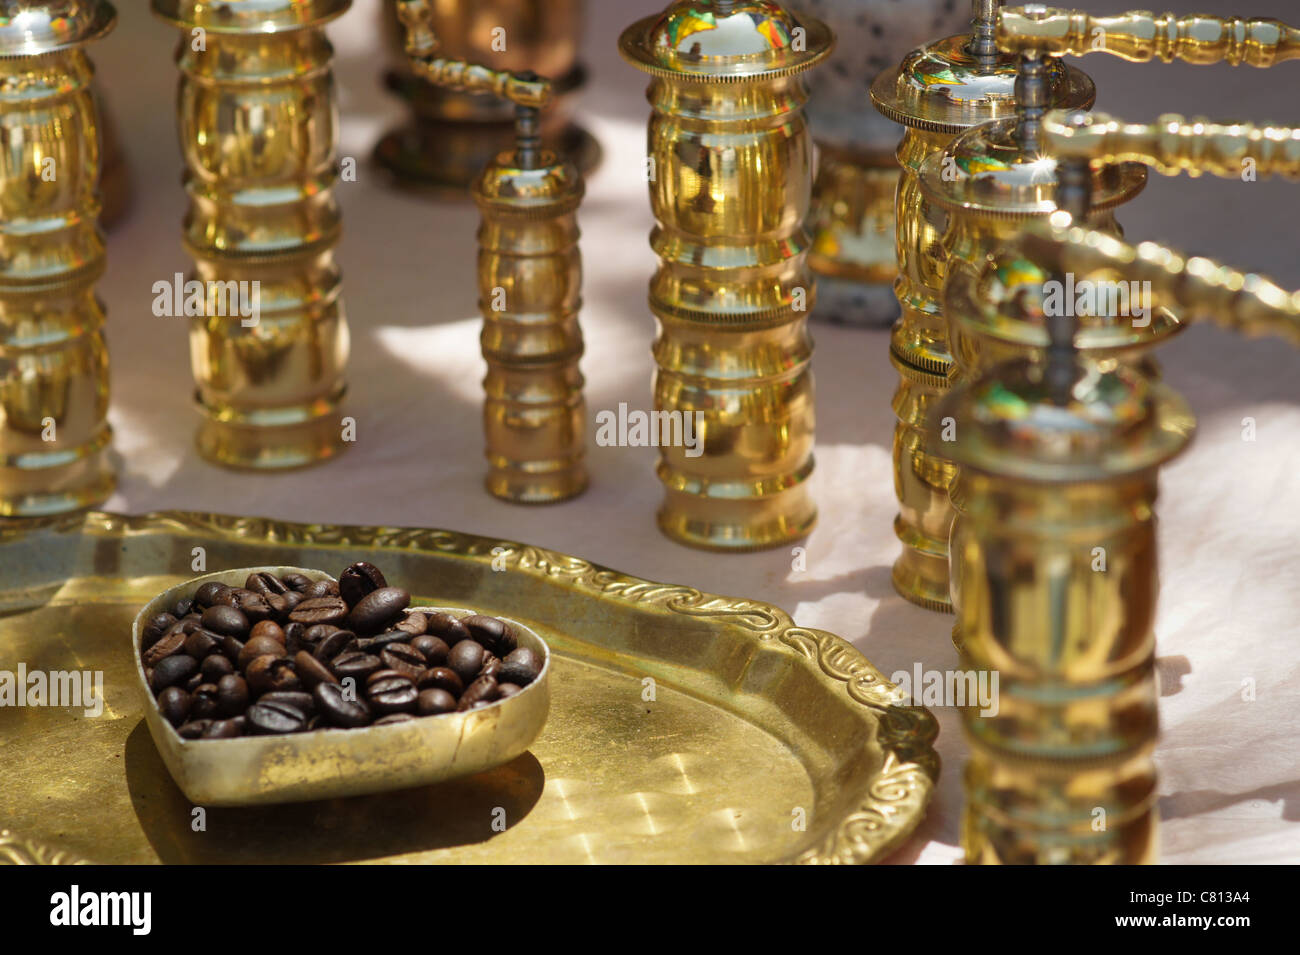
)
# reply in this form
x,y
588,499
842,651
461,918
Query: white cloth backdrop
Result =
x,y
1230,768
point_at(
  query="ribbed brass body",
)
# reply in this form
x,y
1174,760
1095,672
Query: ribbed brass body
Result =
x,y
258,128
730,163
54,436
530,292
1075,653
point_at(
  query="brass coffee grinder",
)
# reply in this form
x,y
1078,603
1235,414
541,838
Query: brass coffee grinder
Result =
x,y
938,92
1000,175
1054,554
530,284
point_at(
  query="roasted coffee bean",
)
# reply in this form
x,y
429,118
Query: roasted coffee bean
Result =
x,y
252,605
359,580
267,628
203,702
325,609
337,708
433,701
172,670
187,624
268,674
193,729
226,621
297,582
414,623
156,629
225,597
214,667
377,643
403,658
394,718
434,649
269,718
300,701
201,643
507,690
491,666
232,695
207,593
183,606
494,634
315,633
232,647
170,645
337,643
291,600
383,674
466,658
193,683
258,647
377,609
482,690
520,667
444,625
321,588
393,694
223,729
311,671
265,584
442,678
355,665
174,704
278,604
294,638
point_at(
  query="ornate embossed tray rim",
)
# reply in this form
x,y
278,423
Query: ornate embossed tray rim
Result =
x,y
877,820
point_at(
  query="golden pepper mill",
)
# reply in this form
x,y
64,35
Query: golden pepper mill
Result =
x,y
258,127
730,172
54,436
530,286
937,92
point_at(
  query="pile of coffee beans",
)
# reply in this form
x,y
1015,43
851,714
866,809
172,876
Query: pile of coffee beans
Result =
x,y
290,654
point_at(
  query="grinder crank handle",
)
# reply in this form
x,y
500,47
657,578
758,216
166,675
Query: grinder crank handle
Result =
x,y
1194,288
1141,36
1174,145
522,89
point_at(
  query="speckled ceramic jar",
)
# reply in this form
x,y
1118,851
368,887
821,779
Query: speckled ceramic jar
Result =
x,y
852,218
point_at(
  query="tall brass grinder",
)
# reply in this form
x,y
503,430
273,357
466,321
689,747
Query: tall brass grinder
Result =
x,y
729,165
938,92
530,284
259,130
54,435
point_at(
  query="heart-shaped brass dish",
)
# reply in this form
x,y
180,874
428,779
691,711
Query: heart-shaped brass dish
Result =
x,y
324,763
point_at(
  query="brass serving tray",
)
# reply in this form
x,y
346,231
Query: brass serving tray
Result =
x,y
684,726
